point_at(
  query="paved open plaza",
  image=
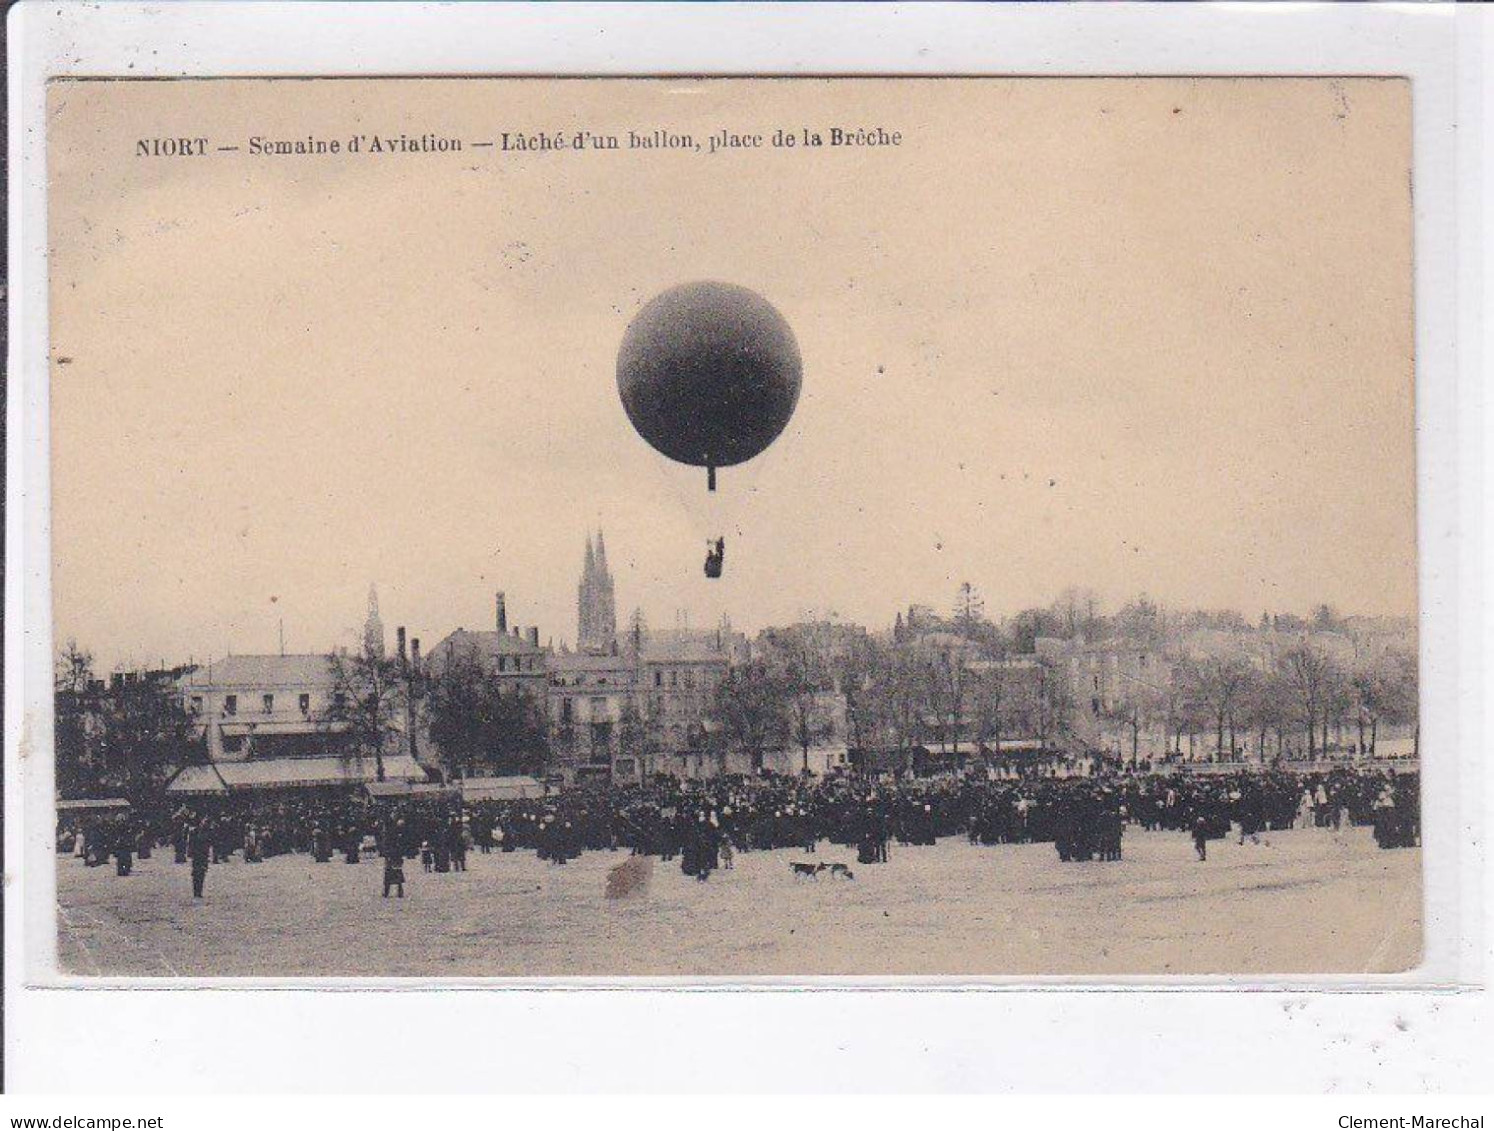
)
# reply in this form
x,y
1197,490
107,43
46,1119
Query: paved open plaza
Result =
x,y
1300,901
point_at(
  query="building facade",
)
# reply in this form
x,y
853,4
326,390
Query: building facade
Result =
x,y
269,723
511,655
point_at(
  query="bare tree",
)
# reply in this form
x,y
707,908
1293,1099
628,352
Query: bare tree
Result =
x,y
77,710
1307,673
368,700
752,705
945,689
476,722
1141,622
1264,709
855,676
990,698
1218,685
969,607
1382,687
1055,704
903,688
1187,710
800,659
1136,706
1397,693
633,731
145,735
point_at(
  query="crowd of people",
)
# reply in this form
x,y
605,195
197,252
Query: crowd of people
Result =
x,y
704,824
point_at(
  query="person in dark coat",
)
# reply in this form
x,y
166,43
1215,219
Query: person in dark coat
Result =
x,y
321,845
352,844
179,841
456,834
124,849
394,859
1201,836
200,852
868,840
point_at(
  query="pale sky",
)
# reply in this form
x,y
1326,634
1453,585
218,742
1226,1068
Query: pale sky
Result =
x,y
1130,335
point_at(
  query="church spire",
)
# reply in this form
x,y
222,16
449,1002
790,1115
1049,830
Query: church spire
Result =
x,y
373,627
596,615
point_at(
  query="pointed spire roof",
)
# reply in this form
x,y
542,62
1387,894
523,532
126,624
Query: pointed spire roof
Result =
x,y
373,626
591,561
601,551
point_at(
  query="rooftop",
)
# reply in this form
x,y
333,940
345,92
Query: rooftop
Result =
x,y
488,643
295,670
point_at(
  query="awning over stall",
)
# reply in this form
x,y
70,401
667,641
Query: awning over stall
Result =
x,y
395,790
290,773
515,788
196,780
92,805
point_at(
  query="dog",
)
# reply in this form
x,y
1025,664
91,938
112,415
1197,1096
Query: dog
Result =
x,y
813,870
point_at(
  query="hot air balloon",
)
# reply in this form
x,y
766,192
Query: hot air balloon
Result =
x,y
709,374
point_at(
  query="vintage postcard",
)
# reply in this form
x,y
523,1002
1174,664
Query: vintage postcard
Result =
x,y
718,528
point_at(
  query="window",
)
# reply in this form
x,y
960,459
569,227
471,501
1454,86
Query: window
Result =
x,y
658,678
689,678
566,710
305,704
269,704
230,704
197,704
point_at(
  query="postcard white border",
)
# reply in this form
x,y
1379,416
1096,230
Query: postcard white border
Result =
x,y
939,1035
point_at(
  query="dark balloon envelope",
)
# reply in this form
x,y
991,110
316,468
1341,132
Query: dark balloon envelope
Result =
x,y
709,374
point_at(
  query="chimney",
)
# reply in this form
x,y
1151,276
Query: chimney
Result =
x,y
399,644
415,651
534,635
502,613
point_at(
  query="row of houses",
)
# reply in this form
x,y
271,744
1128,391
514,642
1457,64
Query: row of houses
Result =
x,y
269,717
269,720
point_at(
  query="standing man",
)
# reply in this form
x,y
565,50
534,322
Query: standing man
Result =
x,y
394,858
199,851
1201,836
124,847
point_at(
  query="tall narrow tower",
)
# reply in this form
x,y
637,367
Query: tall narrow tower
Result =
x,y
373,627
606,602
583,597
596,612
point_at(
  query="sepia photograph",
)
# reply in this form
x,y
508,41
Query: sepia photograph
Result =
x,y
734,528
